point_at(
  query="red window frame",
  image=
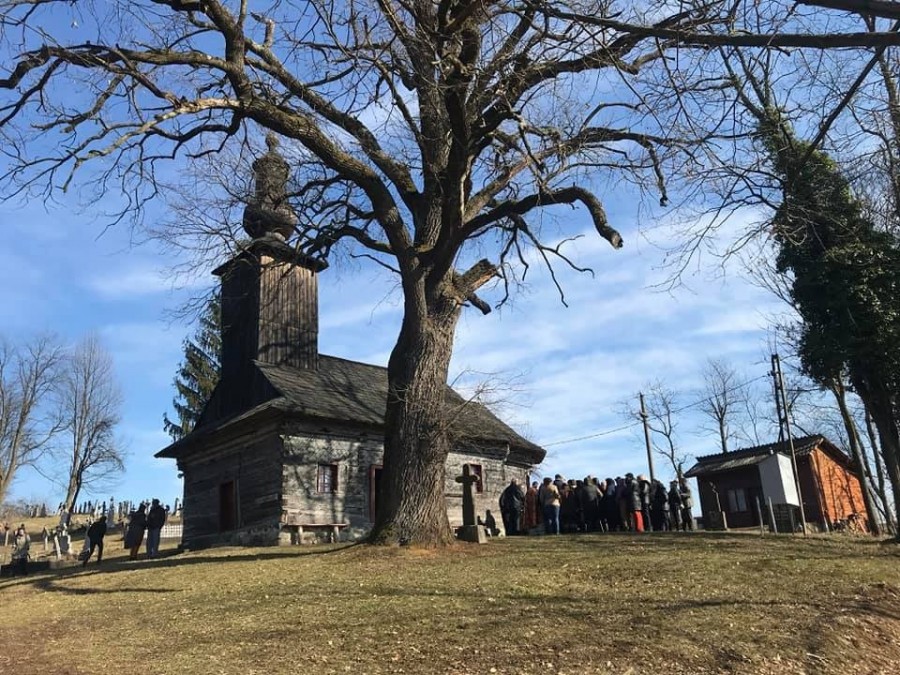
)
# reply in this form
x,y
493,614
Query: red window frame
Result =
x,y
327,479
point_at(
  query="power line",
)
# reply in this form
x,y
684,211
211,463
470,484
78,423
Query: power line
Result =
x,y
597,435
607,432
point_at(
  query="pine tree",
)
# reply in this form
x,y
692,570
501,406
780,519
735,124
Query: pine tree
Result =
x,y
198,373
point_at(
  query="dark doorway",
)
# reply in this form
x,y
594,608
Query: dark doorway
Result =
x,y
227,506
375,472
755,504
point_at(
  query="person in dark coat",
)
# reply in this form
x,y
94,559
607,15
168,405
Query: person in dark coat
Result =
x,y
632,499
95,534
134,535
674,507
512,504
589,498
568,509
644,493
623,497
533,515
608,509
687,505
156,518
659,506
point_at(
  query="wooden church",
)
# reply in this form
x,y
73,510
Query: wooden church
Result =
x,y
289,447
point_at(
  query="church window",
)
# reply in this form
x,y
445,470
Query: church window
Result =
x,y
327,478
478,471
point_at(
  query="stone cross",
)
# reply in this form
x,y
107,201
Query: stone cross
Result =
x,y
468,480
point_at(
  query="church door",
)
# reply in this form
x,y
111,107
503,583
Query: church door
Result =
x,y
227,506
374,490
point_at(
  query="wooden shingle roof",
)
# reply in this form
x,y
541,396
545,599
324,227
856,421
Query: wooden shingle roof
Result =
x,y
351,392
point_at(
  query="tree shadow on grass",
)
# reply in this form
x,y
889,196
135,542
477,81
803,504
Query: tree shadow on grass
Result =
x,y
53,586
822,547
167,559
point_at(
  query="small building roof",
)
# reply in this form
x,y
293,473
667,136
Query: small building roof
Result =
x,y
347,391
728,461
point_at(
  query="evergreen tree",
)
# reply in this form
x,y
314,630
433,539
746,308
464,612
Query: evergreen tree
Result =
x,y
198,373
845,282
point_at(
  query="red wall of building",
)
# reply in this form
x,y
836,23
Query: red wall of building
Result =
x,y
839,488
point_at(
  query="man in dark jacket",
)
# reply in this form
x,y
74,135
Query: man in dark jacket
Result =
x,y
659,506
632,503
589,497
156,518
644,492
95,534
674,507
687,504
512,503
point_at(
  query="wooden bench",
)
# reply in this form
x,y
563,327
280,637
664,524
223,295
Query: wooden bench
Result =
x,y
298,528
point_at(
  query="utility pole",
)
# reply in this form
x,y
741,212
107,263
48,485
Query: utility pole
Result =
x,y
778,400
647,436
779,385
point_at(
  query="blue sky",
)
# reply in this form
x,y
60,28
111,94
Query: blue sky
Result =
x,y
565,369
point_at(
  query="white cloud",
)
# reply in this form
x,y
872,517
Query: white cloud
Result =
x,y
139,279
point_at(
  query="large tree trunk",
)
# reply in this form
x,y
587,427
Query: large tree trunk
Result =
x,y
879,404
881,489
72,492
412,508
865,480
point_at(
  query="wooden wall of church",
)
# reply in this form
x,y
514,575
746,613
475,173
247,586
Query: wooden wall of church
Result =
x,y
288,315
253,472
356,457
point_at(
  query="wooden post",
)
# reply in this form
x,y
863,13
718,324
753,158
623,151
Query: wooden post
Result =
x,y
772,516
759,515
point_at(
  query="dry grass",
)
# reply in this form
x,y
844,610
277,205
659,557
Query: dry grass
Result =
x,y
656,604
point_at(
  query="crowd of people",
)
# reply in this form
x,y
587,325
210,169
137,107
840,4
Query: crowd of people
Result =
x,y
629,504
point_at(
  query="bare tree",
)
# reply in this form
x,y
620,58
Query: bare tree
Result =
x,y
90,400
427,132
27,378
662,420
722,398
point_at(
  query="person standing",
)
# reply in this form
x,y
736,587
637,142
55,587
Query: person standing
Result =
x,y
156,518
134,535
95,535
644,492
589,498
532,508
634,518
659,506
687,504
550,504
21,547
674,507
512,504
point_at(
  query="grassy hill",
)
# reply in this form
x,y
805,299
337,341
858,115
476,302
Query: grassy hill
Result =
x,y
700,603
